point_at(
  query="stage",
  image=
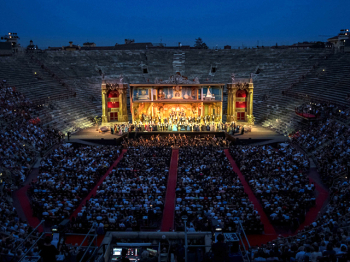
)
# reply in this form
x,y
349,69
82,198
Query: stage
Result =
x,y
259,135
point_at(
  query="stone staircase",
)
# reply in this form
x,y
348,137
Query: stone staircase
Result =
x,y
179,63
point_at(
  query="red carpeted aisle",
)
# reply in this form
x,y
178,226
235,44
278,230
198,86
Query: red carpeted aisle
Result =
x,y
268,228
169,209
27,210
93,191
77,239
312,214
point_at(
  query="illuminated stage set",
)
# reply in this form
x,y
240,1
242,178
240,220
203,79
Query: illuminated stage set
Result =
x,y
176,101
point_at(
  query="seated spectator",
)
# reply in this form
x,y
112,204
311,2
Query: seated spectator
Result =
x,y
132,195
277,177
66,176
209,190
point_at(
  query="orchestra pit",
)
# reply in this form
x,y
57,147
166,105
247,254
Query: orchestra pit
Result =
x,y
244,146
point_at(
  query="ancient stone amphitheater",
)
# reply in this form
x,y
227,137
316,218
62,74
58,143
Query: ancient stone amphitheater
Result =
x,y
301,74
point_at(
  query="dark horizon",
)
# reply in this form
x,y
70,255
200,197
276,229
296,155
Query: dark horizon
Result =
x,y
106,23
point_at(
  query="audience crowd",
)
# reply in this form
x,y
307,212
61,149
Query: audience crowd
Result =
x,y
133,194
210,193
13,231
329,141
326,239
66,176
318,134
177,141
277,177
21,139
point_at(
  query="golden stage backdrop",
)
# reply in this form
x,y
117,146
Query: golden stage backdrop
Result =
x,y
177,95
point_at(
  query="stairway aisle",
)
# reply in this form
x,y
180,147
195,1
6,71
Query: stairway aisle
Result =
x,y
169,209
322,196
23,199
268,228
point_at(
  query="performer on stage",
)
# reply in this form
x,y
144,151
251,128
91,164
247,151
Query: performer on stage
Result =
x,y
174,127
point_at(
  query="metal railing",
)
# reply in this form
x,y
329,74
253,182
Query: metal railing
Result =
x,y
29,249
42,221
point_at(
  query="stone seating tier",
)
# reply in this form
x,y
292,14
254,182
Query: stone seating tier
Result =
x,y
274,71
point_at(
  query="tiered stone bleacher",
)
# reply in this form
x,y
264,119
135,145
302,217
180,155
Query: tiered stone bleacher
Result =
x,y
275,70
330,81
29,78
23,137
277,111
22,140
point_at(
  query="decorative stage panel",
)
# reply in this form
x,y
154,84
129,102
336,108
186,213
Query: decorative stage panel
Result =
x,y
176,100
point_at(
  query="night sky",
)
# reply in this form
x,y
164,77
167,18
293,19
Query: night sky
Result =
x,y
234,22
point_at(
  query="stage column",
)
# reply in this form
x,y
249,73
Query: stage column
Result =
x,y
231,103
104,102
234,114
250,96
122,114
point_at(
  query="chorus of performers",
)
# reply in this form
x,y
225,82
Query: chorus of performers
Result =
x,y
175,117
177,123
230,128
121,129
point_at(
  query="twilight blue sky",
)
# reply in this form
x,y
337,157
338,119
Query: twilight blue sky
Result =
x,y
235,22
